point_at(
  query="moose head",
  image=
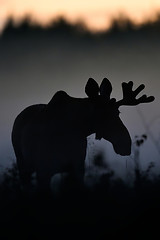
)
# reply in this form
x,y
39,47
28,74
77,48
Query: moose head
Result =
x,y
107,122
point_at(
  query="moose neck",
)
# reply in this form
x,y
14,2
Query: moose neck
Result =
x,y
86,117
76,116
89,117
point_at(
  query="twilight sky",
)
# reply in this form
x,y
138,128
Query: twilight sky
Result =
x,y
96,14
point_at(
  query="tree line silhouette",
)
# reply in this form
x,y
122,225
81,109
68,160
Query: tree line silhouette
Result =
x,y
119,26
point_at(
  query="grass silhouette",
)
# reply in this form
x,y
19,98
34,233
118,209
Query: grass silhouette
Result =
x,y
111,209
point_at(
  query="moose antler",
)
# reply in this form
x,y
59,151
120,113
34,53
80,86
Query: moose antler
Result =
x,y
129,96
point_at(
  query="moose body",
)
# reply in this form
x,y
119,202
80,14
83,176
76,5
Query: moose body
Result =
x,y
49,143
52,138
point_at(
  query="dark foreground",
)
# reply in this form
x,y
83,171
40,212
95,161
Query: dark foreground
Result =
x,y
110,210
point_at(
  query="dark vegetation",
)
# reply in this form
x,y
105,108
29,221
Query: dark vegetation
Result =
x,y
109,210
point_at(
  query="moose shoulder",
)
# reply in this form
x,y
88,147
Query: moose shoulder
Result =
x,y
51,138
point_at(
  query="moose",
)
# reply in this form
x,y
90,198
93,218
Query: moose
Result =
x,y
52,138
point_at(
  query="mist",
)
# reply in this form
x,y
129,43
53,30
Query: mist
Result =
x,y
36,62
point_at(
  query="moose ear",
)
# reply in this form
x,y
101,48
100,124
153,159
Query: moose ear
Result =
x,y
92,88
106,89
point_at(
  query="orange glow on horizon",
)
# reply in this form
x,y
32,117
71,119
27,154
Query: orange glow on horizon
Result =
x,y
97,15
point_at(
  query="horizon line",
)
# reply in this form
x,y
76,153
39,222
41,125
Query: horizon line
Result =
x,y
120,21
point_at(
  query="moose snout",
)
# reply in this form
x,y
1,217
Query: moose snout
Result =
x,y
124,152
123,148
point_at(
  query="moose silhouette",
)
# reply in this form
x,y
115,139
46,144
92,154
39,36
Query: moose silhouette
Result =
x,y
52,138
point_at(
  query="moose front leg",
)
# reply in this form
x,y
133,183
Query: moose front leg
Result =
x,y
78,173
44,181
78,165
